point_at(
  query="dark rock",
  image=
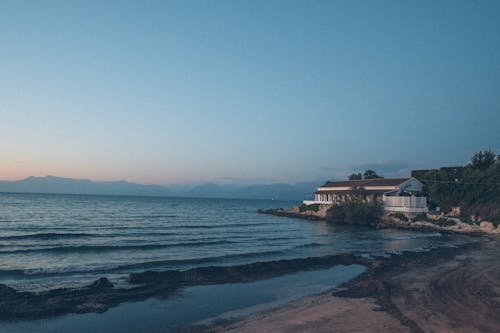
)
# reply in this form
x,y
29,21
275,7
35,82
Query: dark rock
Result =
x,y
155,277
91,307
241,273
102,283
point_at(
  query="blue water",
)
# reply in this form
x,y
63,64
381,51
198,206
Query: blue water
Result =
x,y
49,241
193,306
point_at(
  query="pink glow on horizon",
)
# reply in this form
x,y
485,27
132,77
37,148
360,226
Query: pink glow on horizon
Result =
x,y
17,171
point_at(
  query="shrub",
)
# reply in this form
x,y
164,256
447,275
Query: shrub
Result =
x,y
400,216
355,212
422,217
443,222
465,218
313,207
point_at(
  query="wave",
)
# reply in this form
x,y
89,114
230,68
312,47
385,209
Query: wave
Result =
x,y
126,268
106,248
272,238
313,244
215,226
48,235
153,216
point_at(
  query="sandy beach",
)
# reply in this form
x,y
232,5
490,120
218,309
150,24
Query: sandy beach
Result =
x,y
446,290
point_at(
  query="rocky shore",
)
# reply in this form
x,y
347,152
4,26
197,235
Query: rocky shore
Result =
x,y
482,228
288,213
429,224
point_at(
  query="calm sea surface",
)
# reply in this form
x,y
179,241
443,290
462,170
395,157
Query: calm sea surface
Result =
x,y
49,241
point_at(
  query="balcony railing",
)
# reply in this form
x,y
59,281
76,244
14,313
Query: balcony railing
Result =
x,y
410,204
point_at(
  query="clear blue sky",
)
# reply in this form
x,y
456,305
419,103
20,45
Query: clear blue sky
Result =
x,y
245,91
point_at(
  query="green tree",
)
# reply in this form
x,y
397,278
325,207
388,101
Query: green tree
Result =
x,y
355,176
483,160
475,187
355,211
370,174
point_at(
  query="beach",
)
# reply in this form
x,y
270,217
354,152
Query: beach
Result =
x,y
443,290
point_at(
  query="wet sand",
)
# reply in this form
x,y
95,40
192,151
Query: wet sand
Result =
x,y
320,314
445,290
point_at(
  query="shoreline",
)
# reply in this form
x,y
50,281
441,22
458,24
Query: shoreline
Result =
x,y
442,290
375,299
101,295
389,222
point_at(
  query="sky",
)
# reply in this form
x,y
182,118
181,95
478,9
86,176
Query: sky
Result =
x,y
173,92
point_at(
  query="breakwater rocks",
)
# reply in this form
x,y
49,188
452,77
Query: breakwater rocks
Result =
x,y
95,297
287,213
244,273
319,213
101,294
431,224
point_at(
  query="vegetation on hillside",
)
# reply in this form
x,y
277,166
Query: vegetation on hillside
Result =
x,y
399,216
355,212
475,188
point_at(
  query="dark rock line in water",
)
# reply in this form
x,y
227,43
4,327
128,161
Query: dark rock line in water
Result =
x,y
101,295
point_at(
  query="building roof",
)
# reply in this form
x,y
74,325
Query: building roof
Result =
x,y
366,182
355,192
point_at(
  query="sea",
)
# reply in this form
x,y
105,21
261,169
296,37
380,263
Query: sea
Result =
x,y
53,240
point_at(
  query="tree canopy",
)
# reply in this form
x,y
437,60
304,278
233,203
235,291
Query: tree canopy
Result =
x,y
370,174
355,211
355,176
475,187
483,160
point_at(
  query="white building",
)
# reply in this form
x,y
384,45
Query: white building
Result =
x,y
396,194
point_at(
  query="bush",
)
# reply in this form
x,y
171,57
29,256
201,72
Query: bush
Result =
x,y
400,216
355,212
465,218
313,207
443,222
422,217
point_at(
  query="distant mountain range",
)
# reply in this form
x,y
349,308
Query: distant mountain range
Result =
x,y
52,184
